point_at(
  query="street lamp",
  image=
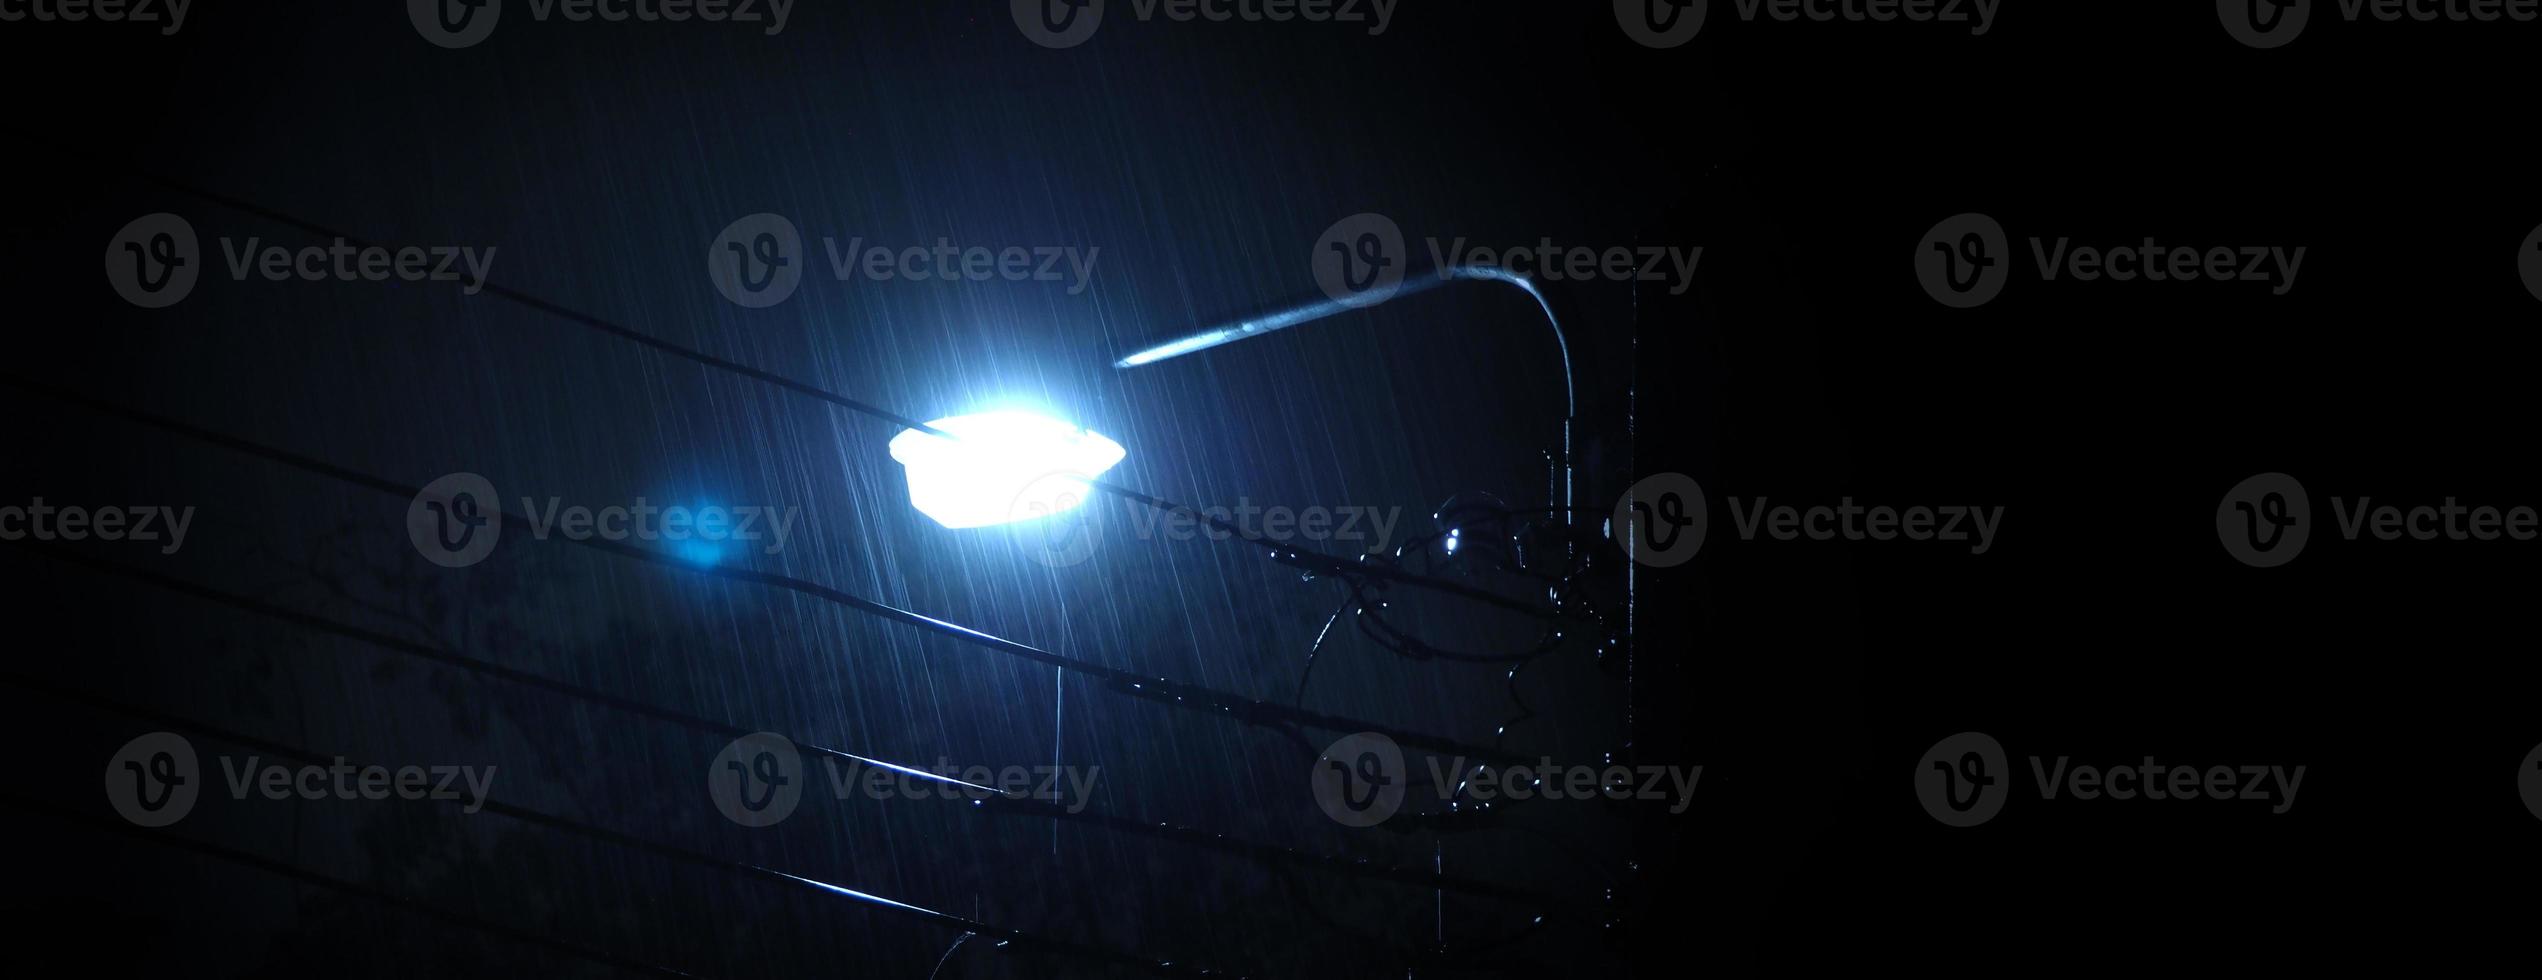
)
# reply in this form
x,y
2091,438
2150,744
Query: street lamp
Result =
x,y
1318,308
1000,467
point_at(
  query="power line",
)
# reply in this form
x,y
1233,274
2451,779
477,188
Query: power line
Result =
x,y
306,876
1157,689
1355,574
671,851
1304,558
583,319
998,803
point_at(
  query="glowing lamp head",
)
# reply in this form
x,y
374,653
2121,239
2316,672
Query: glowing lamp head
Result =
x,y
1001,467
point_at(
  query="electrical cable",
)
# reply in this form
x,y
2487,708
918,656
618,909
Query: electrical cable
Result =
x,y
673,852
306,876
1157,689
1307,558
1356,575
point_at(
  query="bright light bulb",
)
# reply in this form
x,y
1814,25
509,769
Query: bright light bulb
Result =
x,y
1001,467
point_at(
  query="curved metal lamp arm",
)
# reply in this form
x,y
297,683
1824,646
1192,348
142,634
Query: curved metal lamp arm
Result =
x,y
1320,307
